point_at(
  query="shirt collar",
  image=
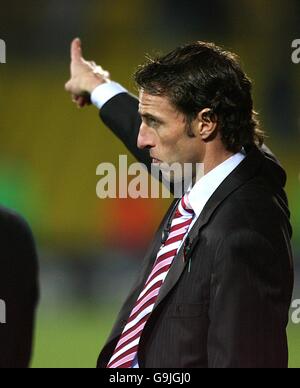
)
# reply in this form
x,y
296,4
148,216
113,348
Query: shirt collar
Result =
x,y
205,187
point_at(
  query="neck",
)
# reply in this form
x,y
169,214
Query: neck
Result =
x,y
213,158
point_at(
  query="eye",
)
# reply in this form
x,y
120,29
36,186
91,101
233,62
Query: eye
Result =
x,y
152,123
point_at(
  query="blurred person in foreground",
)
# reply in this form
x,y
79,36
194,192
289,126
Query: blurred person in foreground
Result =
x,y
215,291
18,290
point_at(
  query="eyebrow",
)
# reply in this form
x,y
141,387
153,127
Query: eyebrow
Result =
x,y
150,117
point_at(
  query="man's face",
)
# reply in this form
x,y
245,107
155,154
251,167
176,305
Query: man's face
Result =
x,y
164,132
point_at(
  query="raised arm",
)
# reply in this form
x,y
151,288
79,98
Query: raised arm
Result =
x,y
119,113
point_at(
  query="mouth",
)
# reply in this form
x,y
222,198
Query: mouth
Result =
x,y
156,161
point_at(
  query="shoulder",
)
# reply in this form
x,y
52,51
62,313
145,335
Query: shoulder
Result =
x,y
16,238
253,204
252,212
11,222
18,259
251,224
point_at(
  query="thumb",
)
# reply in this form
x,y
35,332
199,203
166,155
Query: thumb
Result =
x,y
76,50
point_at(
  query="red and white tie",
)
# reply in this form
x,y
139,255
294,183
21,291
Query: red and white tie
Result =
x,y
127,346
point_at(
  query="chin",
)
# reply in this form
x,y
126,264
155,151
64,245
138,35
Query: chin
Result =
x,y
173,174
177,178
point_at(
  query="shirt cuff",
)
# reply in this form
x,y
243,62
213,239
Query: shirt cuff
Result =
x,y
105,92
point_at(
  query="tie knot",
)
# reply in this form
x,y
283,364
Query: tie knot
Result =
x,y
186,203
184,208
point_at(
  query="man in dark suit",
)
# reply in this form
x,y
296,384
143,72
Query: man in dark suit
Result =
x,y
223,298
18,290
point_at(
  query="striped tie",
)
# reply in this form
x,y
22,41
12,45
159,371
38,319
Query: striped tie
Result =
x,y
127,346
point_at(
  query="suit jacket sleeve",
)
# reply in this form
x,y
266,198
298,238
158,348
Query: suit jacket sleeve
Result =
x,y
19,290
248,312
120,114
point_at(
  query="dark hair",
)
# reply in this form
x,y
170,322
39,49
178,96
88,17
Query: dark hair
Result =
x,y
203,75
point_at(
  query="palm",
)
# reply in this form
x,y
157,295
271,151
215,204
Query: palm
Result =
x,y
79,66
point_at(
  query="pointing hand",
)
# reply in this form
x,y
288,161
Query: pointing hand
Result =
x,y
85,76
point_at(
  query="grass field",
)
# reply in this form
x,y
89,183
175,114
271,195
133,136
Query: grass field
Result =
x,y
73,338
294,346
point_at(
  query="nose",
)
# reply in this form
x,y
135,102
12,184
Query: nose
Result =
x,y
145,138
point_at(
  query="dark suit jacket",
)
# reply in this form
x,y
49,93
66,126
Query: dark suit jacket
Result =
x,y
231,309
18,289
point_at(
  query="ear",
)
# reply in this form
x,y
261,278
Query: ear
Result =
x,y
207,124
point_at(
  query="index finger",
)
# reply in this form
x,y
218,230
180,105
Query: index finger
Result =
x,y
76,50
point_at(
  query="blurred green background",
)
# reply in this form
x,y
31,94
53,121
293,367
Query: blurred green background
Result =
x,y
49,150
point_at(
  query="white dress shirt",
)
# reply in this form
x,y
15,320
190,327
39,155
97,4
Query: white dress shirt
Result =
x,y
205,187
208,184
